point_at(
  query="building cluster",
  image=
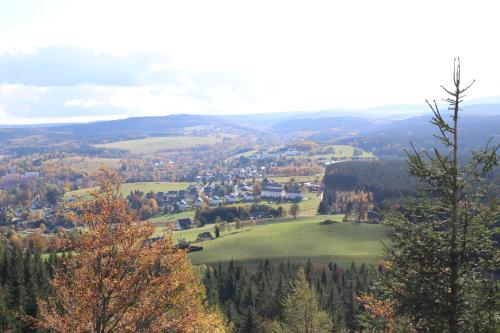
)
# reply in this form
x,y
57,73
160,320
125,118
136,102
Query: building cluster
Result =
x,y
12,178
247,172
277,191
220,193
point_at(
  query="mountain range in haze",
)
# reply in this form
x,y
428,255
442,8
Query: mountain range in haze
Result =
x,y
367,127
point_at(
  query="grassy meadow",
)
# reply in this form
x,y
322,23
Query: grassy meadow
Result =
x,y
298,239
154,144
286,179
340,152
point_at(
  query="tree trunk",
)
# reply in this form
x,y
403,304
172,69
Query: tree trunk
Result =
x,y
454,256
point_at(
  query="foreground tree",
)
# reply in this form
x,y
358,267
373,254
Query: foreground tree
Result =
x,y
441,267
301,310
118,280
294,210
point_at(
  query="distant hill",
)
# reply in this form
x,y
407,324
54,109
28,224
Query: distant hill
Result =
x,y
335,125
478,124
117,129
367,128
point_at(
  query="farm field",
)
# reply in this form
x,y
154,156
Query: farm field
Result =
x,y
341,152
286,179
297,239
140,186
154,144
308,206
159,220
244,154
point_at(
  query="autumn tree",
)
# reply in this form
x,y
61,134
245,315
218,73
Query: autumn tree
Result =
x,y
378,314
294,210
237,223
119,280
443,259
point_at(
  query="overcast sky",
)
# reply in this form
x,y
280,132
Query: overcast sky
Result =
x,y
86,60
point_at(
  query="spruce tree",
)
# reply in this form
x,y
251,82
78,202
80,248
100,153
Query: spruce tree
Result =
x,y
301,310
442,262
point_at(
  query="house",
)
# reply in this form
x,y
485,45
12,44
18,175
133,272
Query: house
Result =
x,y
272,186
182,205
172,194
198,202
182,194
271,193
292,153
214,201
232,198
247,188
204,236
193,189
293,195
248,197
185,223
272,190
207,190
11,177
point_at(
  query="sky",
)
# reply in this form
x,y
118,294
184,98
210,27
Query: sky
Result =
x,y
73,61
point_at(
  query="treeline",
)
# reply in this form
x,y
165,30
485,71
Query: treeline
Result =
x,y
354,204
387,180
253,299
24,278
80,149
231,213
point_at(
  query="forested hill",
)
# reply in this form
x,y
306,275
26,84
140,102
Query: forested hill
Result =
x,y
119,129
382,135
386,180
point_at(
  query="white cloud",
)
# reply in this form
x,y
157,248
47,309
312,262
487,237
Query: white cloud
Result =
x,y
84,103
3,113
259,56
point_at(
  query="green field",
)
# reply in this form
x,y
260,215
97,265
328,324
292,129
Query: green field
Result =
x,y
308,206
159,220
297,239
299,179
341,152
245,154
154,144
141,186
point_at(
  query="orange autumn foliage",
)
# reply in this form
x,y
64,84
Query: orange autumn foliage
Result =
x,y
117,280
379,309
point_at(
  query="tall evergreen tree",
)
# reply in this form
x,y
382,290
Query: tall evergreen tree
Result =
x,y
301,310
443,260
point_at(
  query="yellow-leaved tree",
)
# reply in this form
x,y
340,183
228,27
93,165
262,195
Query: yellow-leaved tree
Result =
x,y
120,280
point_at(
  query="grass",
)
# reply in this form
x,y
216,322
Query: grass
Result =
x,y
297,178
140,186
154,144
297,239
341,152
308,206
244,154
159,220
